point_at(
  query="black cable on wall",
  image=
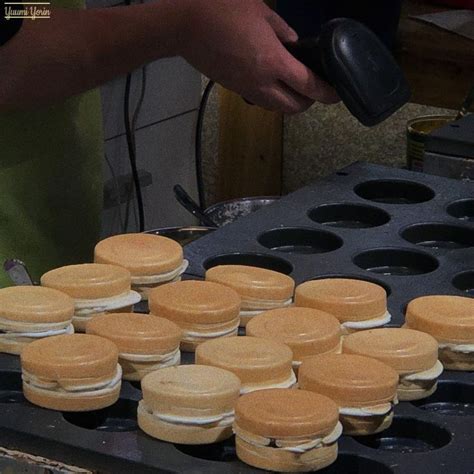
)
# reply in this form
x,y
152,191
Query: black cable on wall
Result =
x,y
198,143
132,153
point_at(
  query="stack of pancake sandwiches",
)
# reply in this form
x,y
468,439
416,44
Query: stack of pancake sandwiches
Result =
x,y
284,370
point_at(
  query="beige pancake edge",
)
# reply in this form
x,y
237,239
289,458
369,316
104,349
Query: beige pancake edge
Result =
x,y
89,281
350,300
75,372
189,404
141,254
259,363
448,318
136,333
286,430
306,331
253,283
34,304
194,302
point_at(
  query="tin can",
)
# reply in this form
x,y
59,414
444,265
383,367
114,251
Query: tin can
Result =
x,y
418,130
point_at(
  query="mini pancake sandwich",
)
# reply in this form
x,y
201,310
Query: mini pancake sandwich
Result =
x,y
260,289
413,354
28,313
259,363
151,259
76,372
145,343
95,288
364,389
286,430
189,404
450,320
358,304
306,331
203,310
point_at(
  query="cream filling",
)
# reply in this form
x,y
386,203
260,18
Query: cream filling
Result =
x,y
33,335
224,419
288,383
101,388
251,314
369,323
9,325
287,445
376,410
84,308
430,374
210,335
264,305
161,277
317,443
462,348
171,358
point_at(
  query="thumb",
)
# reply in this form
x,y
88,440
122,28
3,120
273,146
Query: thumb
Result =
x,y
285,33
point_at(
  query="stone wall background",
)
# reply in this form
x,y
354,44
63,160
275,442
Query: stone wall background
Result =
x,y
322,140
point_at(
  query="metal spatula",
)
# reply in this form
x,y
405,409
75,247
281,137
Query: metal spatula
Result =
x,y
17,272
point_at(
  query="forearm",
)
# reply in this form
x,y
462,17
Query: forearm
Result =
x,y
76,50
238,43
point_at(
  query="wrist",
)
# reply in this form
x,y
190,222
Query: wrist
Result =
x,y
167,19
184,17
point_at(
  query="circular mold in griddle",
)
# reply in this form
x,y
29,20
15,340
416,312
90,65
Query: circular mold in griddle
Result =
x,y
136,384
353,464
269,262
120,417
220,452
393,191
465,282
408,435
349,216
11,387
450,399
300,240
462,209
396,262
439,236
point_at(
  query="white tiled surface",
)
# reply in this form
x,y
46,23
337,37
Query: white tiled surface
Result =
x,y
164,136
167,151
172,88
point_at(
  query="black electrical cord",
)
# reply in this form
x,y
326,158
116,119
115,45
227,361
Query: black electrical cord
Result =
x,y
132,153
198,143
130,124
138,108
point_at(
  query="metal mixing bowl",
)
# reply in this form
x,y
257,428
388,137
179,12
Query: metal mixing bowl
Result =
x,y
183,235
225,212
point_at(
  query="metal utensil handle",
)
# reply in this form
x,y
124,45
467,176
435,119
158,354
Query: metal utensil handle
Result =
x,y
190,205
466,105
17,272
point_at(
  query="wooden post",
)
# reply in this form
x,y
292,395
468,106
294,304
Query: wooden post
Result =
x,y
250,148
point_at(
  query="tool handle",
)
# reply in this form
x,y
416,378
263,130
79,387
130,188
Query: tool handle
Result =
x,y
308,51
188,203
352,59
17,272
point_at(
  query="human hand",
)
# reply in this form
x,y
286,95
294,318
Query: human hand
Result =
x,y
239,44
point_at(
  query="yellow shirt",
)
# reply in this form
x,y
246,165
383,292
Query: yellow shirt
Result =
x,y
51,181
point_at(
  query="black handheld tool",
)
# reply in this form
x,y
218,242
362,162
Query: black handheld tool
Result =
x,y
359,66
